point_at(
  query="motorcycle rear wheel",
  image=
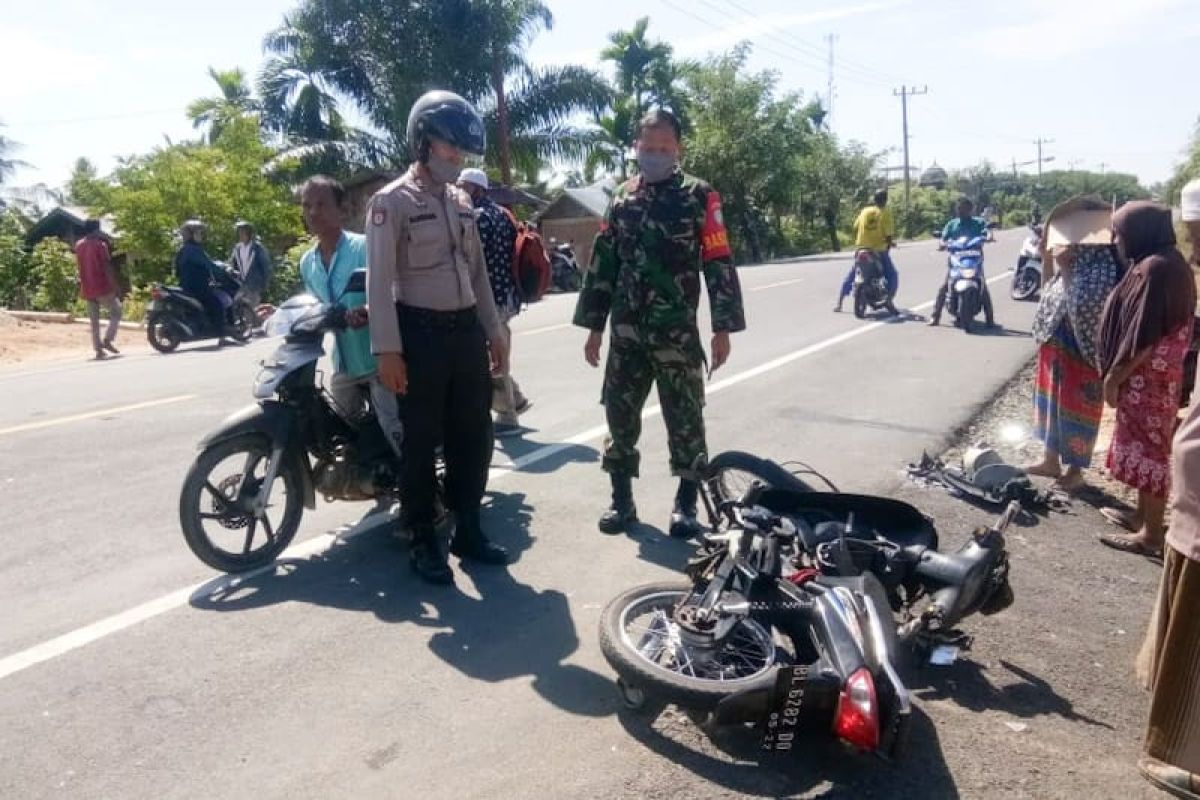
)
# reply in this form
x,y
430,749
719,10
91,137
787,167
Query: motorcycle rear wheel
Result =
x,y
860,302
227,498
746,660
163,333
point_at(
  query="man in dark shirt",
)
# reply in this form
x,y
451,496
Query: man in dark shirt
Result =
x,y
498,234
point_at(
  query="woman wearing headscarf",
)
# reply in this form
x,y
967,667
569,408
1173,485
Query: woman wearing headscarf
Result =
x,y
1144,336
1169,664
1069,395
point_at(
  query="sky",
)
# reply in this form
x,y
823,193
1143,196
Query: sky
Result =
x,y
1111,86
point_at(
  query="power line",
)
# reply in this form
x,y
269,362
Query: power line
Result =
x,y
799,57
869,72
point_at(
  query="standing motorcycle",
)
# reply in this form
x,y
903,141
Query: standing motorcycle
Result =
x,y
964,281
565,275
871,290
787,620
243,498
174,316
1027,279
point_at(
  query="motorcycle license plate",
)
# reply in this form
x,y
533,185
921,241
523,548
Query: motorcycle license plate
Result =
x,y
782,724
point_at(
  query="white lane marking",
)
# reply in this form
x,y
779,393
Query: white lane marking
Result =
x,y
546,329
776,285
80,637
105,412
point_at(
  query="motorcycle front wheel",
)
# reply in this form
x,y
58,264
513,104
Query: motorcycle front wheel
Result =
x,y
733,474
642,642
1025,284
241,321
216,505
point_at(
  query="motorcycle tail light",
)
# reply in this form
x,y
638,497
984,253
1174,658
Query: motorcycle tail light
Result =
x,y
857,719
156,293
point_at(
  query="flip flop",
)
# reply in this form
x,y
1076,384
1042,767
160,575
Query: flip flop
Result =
x,y
1172,780
1129,545
1121,519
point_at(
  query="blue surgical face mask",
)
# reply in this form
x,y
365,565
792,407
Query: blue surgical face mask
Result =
x,y
656,167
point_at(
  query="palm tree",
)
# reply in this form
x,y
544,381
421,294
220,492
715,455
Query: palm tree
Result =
x,y
8,165
637,60
647,75
235,101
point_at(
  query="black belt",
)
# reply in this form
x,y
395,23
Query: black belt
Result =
x,y
462,319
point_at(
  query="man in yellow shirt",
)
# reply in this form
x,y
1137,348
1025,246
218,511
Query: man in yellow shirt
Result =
x,y
876,231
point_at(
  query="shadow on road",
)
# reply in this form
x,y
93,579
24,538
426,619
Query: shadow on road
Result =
x,y
511,630
730,757
966,684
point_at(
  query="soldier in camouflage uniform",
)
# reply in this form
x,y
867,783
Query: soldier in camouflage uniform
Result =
x,y
663,231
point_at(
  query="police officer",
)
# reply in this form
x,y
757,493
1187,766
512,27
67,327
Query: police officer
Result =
x,y
433,326
663,231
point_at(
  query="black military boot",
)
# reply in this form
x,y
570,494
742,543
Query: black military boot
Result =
x,y
622,513
684,523
426,556
470,544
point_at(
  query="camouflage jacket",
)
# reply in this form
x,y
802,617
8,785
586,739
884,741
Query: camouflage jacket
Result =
x,y
656,241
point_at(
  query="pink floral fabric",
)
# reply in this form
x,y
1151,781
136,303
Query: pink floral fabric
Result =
x,y
1140,455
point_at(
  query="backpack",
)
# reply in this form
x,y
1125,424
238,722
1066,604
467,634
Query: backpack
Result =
x,y
531,262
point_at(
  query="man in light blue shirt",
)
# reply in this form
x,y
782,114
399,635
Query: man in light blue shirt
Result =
x,y
326,270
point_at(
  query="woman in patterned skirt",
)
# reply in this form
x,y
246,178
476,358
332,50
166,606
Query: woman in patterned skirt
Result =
x,y
1144,337
1069,396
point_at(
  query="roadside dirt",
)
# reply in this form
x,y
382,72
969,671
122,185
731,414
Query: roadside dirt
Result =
x,y
23,342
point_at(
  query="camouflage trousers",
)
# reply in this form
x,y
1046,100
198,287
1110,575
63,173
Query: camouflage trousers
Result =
x,y
629,373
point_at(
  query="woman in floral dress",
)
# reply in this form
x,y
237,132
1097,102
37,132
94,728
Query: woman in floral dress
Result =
x,y
1144,337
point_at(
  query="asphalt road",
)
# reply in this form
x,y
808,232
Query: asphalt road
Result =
x,y
127,669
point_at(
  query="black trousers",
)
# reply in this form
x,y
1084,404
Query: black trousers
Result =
x,y
448,403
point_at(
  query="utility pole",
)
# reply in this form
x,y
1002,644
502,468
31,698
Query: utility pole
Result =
x,y
1040,142
905,92
829,96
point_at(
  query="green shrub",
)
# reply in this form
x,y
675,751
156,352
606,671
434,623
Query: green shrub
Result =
x,y
53,267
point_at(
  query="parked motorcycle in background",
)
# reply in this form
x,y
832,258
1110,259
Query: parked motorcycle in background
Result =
x,y
565,274
174,316
1027,279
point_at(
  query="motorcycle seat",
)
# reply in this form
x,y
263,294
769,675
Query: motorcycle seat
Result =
x,y
893,520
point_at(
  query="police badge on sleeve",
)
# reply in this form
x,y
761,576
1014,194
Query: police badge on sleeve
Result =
x,y
378,215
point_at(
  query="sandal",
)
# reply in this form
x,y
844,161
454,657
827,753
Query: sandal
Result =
x,y
1122,519
1127,544
1173,780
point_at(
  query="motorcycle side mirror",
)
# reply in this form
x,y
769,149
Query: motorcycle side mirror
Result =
x,y
357,281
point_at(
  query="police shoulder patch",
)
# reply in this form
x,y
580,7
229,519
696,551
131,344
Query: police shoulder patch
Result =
x,y
378,215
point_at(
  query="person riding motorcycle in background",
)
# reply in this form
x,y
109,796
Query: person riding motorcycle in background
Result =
x,y
965,225
195,271
875,230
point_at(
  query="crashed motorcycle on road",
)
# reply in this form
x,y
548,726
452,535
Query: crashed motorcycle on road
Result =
x,y
799,609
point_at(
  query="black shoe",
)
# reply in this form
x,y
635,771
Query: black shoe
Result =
x,y
112,348
470,544
479,549
933,322
622,513
428,560
684,523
